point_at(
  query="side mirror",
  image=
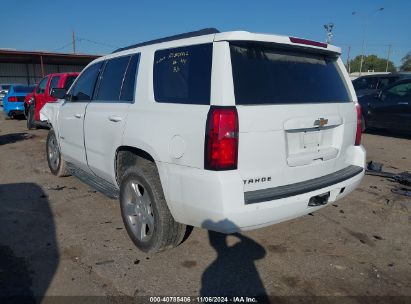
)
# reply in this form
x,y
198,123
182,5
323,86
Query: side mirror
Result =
x,y
58,93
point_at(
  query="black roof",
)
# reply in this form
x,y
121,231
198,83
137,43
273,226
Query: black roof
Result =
x,y
206,31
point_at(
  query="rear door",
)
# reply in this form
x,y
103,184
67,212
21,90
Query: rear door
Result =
x,y
71,117
393,108
106,114
296,116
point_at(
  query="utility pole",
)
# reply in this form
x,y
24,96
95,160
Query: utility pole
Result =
x,y
388,57
365,33
74,42
348,60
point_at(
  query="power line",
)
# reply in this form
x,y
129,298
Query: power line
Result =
x,y
80,39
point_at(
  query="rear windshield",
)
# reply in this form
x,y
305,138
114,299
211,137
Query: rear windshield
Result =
x,y
23,89
264,74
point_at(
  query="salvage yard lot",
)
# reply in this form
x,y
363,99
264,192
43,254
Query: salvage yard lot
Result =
x,y
60,237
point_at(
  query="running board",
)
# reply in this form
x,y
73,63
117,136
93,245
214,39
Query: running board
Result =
x,y
94,181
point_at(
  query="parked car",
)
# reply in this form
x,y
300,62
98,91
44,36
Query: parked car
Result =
x,y
372,84
13,102
388,109
226,131
41,95
4,88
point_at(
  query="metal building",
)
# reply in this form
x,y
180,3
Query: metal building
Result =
x,y
29,67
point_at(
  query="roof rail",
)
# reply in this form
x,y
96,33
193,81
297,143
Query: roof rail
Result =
x,y
206,31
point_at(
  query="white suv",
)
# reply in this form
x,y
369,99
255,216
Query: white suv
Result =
x,y
226,131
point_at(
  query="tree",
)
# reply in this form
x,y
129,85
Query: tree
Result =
x,y
406,63
371,63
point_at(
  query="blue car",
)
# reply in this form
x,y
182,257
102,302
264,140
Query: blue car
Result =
x,y
13,102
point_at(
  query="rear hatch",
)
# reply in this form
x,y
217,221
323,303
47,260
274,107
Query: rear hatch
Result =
x,y
296,116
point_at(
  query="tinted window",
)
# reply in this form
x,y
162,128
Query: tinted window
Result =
x,y
23,89
127,91
5,87
112,78
386,81
84,86
365,83
54,82
264,74
42,86
402,89
183,75
69,82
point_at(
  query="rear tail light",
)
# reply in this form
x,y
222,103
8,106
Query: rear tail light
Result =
x,y
12,99
221,139
359,125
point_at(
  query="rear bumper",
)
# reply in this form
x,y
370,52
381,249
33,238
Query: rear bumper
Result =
x,y
217,201
13,108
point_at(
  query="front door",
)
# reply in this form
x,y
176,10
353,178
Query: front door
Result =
x,y
72,114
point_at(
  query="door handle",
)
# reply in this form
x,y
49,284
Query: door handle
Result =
x,y
78,115
115,118
402,103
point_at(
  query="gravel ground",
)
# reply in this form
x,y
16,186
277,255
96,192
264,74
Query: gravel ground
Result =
x,y
58,237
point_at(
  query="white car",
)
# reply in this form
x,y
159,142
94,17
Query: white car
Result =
x,y
226,131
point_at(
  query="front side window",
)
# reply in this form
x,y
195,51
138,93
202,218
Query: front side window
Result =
x,y
403,89
41,88
266,74
183,75
84,87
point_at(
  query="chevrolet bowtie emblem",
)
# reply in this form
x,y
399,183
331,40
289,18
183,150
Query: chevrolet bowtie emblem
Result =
x,y
320,122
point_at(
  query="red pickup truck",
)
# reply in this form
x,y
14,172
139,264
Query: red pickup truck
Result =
x,y
41,95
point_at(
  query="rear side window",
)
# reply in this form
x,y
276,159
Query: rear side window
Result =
x,y
54,82
183,75
264,74
84,87
365,83
127,91
112,78
69,82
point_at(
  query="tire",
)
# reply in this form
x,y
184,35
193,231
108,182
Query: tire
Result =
x,y
144,210
30,119
56,163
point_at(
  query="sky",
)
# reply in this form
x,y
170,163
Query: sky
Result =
x,y
102,26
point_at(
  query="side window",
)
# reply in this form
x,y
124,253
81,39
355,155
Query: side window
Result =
x,y
127,91
84,86
402,89
69,81
54,82
183,75
386,81
112,79
41,88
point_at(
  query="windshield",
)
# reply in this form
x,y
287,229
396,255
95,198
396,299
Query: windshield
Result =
x,y
23,89
265,74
